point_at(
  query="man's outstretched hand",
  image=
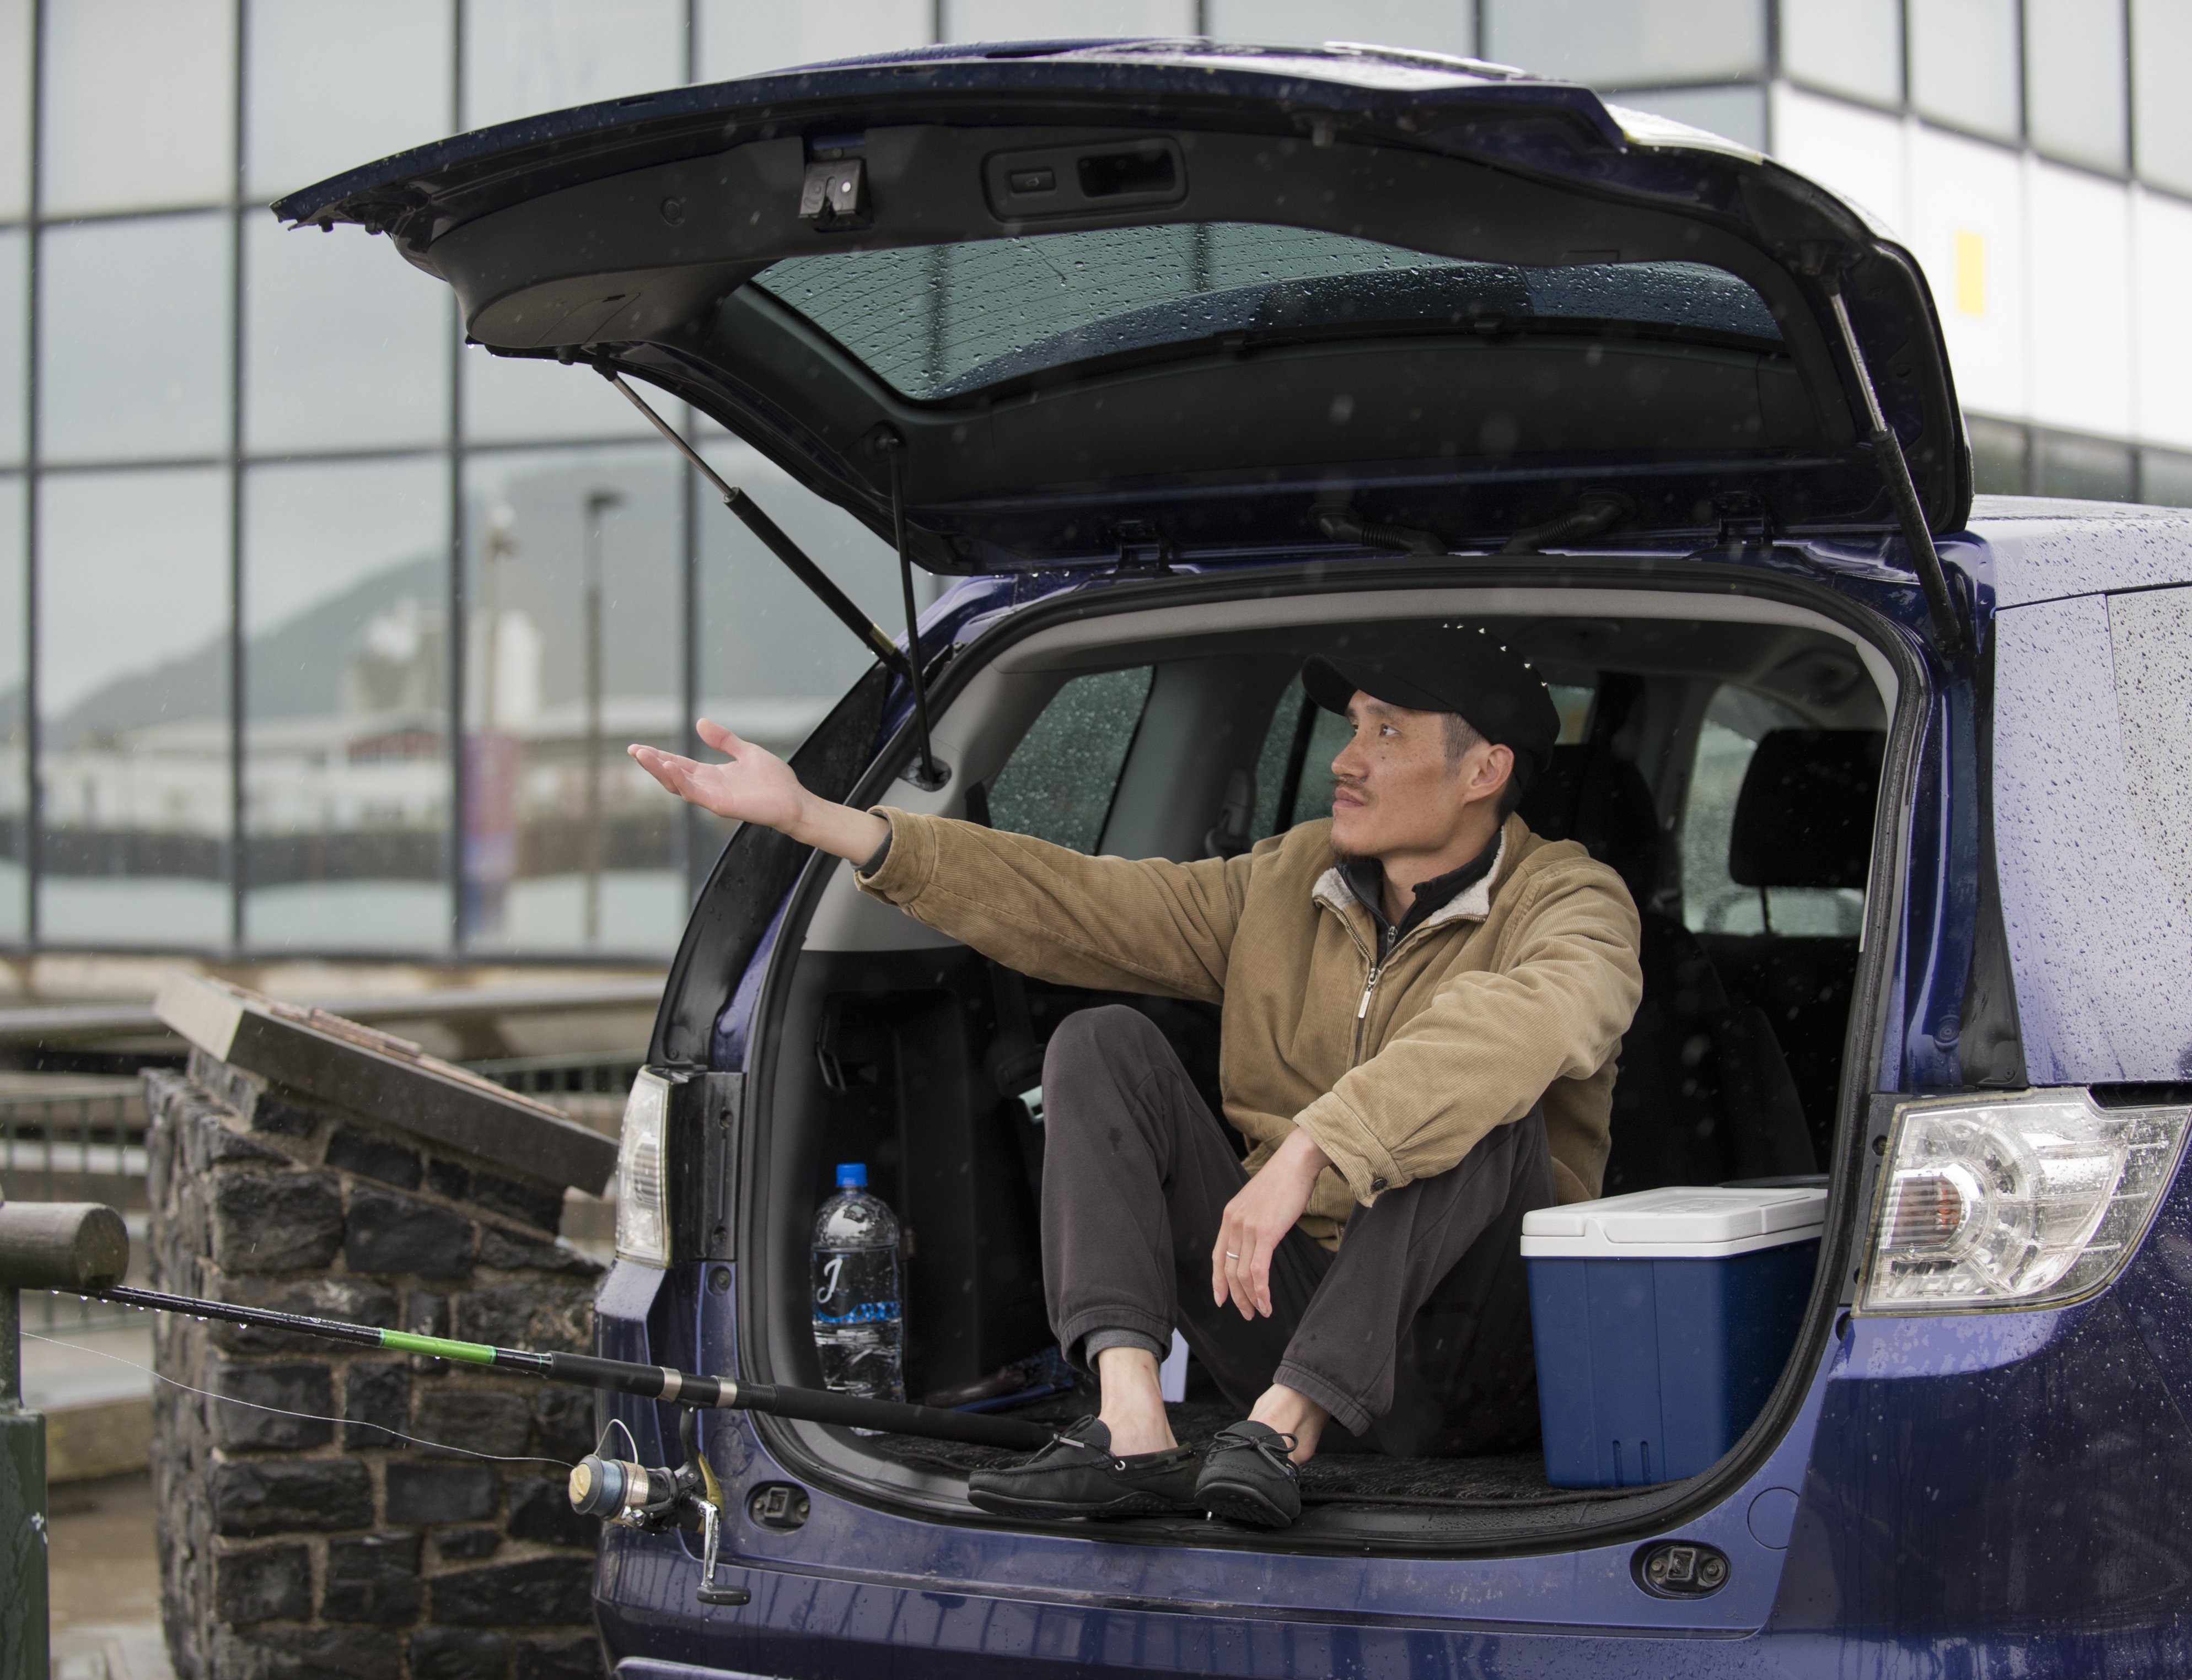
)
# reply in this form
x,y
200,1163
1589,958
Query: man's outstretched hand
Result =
x,y
756,786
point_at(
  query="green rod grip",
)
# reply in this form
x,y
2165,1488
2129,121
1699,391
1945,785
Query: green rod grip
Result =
x,y
440,1348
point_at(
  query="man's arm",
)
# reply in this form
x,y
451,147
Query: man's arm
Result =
x,y
756,786
1109,923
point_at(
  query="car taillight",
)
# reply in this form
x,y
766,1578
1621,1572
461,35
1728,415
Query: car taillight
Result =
x,y
2022,1201
642,1220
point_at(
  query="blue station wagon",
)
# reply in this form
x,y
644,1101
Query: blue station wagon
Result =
x,y
1183,362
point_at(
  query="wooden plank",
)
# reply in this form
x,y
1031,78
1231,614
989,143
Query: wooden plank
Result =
x,y
386,1079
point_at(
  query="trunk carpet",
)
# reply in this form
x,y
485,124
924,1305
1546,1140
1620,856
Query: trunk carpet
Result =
x,y
1505,1479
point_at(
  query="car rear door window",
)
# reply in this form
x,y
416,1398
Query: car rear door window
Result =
x,y
1059,783
1713,902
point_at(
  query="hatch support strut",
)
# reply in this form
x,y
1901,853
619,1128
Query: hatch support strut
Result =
x,y
905,662
930,776
1895,470
773,537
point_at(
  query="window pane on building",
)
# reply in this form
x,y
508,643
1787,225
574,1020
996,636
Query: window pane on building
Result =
x,y
130,368
330,84
1629,42
2075,80
134,707
573,567
1999,457
15,712
2161,70
772,658
526,56
346,770
1736,114
528,400
1056,20
1388,23
741,37
2088,469
1964,63
346,345
14,339
15,17
1852,47
2164,478
140,105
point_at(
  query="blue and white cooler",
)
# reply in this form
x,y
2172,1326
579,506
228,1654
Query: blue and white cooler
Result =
x,y
1662,1319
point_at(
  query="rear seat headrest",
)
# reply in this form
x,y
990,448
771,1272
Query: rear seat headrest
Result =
x,y
1805,816
1587,793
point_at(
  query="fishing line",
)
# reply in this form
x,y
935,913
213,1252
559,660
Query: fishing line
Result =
x,y
309,1417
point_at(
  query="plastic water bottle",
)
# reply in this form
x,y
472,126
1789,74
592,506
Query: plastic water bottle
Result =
x,y
859,1317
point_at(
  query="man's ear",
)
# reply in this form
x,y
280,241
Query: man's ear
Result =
x,y
1495,770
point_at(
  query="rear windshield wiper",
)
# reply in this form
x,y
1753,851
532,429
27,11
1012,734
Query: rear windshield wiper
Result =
x,y
906,662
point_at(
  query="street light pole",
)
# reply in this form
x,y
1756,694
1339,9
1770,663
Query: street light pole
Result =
x,y
501,545
598,502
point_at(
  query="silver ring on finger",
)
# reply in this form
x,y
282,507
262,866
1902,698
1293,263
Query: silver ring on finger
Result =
x,y
1229,1254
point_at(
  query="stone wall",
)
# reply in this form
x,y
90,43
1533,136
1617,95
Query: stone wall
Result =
x,y
307,1539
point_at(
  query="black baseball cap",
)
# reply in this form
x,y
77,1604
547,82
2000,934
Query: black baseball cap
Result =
x,y
1452,667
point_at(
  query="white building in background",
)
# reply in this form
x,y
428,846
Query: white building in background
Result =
x,y
248,477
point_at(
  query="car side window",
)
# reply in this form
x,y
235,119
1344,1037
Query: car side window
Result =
x,y
1712,901
1293,771
2150,636
1059,783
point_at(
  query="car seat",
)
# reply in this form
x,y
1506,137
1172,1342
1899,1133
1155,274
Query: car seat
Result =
x,y
1703,1094
1803,818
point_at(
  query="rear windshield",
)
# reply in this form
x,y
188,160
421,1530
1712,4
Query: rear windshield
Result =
x,y
937,321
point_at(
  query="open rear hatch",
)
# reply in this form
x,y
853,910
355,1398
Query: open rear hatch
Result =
x,y
1171,300
1150,304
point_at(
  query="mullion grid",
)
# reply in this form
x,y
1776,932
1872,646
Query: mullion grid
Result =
x,y
237,460
456,449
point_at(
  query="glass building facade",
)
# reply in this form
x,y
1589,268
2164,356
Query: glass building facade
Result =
x,y
321,633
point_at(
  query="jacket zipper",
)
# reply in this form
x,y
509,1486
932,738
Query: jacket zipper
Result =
x,y
1362,1009
1379,964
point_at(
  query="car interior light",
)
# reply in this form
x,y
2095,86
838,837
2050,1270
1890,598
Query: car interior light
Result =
x,y
642,1219
2024,1201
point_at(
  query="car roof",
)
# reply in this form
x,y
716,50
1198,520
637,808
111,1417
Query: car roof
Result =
x,y
2044,548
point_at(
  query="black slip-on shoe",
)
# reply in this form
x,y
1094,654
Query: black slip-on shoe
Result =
x,y
1249,1478
1077,1475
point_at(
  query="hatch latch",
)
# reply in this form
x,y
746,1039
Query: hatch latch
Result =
x,y
835,194
1142,549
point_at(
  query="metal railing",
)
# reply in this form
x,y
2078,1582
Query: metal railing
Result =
x,y
80,1142
553,1076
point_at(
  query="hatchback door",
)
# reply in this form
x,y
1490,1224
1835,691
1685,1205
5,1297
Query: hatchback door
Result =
x,y
1191,302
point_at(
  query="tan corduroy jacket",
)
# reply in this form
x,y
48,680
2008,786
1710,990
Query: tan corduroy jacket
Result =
x,y
1519,988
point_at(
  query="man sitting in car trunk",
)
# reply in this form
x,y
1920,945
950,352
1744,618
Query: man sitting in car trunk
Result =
x,y
1422,1002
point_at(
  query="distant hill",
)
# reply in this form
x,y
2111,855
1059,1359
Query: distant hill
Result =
x,y
295,669
762,633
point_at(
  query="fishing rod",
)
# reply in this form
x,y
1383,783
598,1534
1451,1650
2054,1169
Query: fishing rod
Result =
x,y
619,1377
82,1248
69,1246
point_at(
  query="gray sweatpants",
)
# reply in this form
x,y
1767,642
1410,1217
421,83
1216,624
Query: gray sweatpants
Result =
x,y
1415,1336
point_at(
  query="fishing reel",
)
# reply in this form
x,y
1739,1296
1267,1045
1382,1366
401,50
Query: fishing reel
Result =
x,y
654,1501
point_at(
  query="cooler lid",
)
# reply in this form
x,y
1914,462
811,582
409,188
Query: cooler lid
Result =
x,y
1675,1222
